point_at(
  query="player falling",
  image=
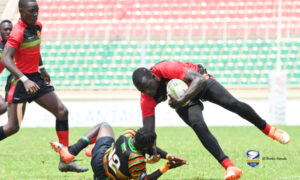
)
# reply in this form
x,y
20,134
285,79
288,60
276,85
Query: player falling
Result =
x,y
121,159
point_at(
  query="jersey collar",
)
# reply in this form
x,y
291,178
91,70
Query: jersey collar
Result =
x,y
22,23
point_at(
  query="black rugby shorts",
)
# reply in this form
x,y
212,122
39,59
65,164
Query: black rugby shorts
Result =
x,y
15,91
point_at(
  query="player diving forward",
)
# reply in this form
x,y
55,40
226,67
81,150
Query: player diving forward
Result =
x,y
202,86
120,159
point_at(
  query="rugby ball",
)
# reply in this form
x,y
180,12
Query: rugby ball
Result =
x,y
177,88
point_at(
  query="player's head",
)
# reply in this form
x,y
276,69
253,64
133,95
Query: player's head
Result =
x,y
145,81
144,139
5,28
29,11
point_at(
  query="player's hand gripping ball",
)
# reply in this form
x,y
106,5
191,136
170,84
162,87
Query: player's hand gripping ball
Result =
x,y
177,88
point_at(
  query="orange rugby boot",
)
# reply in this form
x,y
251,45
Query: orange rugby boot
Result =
x,y
233,173
63,151
88,150
279,135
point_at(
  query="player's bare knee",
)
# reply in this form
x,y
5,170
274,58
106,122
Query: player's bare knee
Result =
x,y
104,125
106,129
15,129
62,113
11,129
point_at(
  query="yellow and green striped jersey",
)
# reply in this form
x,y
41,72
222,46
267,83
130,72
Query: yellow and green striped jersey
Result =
x,y
123,160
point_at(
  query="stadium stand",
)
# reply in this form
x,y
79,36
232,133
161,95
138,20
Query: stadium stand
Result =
x,y
95,43
101,64
161,17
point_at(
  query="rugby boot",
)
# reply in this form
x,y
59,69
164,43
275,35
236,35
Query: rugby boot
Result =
x,y
88,150
279,135
233,173
63,151
70,167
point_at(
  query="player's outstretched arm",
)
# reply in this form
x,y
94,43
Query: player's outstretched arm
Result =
x,y
171,158
149,122
166,166
163,154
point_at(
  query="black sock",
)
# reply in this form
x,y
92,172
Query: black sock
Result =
x,y
2,135
76,148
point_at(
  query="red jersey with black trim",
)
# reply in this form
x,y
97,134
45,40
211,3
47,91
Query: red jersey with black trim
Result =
x,y
164,71
2,44
27,42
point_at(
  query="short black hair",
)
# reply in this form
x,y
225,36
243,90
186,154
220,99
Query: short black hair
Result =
x,y
5,21
139,74
145,136
22,3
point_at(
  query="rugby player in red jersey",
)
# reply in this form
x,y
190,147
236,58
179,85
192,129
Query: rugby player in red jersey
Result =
x,y
5,29
124,158
202,86
26,83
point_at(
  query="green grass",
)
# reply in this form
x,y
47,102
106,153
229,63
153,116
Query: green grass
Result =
x,y
27,155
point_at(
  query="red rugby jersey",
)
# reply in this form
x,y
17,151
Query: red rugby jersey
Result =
x,y
164,71
27,42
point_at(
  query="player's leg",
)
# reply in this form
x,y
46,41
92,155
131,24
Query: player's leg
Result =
x,y
53,104
3,105
15,117
105,139
90,138
69,153
217,94
192,115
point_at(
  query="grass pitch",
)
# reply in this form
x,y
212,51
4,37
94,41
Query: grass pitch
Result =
x,y
28,155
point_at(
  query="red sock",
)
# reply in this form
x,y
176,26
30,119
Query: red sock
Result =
x,y
227,163
267,129
63,137
62,131
93,140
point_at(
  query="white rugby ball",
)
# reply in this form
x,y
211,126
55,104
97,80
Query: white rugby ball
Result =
x,y
177,88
